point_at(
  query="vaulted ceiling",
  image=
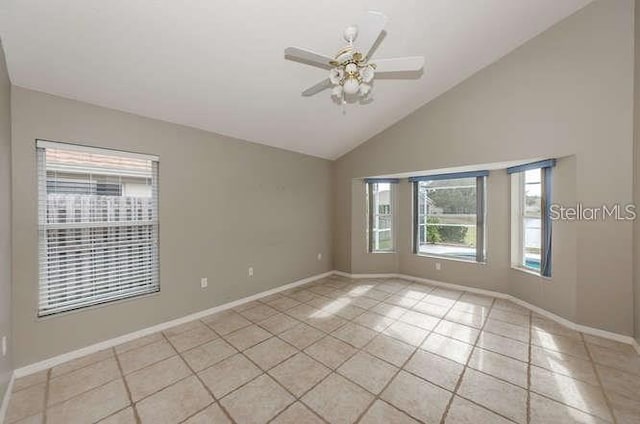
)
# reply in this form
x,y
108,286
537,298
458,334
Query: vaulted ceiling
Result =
x,y
219,65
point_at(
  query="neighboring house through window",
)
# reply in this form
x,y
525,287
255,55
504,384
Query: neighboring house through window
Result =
x,y
98,226
530,221
449,212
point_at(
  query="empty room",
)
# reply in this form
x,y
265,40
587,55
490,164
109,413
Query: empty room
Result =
x,y
303,212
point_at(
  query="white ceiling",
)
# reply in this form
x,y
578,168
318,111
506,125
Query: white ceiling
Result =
x,y
219,65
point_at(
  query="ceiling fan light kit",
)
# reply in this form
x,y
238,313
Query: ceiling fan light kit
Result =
x,y
352,74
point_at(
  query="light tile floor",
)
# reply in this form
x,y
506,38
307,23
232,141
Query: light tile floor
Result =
x,y
341,351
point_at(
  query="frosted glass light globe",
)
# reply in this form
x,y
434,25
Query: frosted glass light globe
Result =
x,y
337,91
367,73
351,86
351,68
365,89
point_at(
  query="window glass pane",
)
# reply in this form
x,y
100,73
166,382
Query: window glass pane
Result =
x,y
98,215
382,220
532,219
447,218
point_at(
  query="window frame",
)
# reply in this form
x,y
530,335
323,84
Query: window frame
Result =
x,y
127,293
517,202
481,211
372,214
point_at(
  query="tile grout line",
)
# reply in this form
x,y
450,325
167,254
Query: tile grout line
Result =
x,y
195,374
76,369
530,345
600,385
362,349
329,334
126,386
388,383
136,347
590,360
506,356
529,359
301,403
75,396
409,358
179,354
112,414
416,349
333,371
302,351
49,372
46,397
263,372
150,364
466,364
81,393
176,354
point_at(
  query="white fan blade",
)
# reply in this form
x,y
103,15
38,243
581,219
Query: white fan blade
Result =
x,y
307,56
370,27
315,89
399,64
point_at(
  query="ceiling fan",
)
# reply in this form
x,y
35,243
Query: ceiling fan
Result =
x,y
352,70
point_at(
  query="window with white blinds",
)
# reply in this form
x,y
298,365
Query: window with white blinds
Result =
x,y
98,226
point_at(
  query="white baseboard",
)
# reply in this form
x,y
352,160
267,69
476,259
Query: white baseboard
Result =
x,y
567,323
346,274
454,286
5,400
59,359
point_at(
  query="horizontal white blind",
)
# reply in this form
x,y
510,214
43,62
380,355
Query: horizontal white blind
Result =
x,y
98,227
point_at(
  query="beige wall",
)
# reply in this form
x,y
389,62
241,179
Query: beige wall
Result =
x,y
5,220
549,98
225,205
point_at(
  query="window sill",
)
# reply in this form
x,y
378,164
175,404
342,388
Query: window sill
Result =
x,y
530,272
449,258
375,252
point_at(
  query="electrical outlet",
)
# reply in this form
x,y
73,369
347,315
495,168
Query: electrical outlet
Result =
x,y
4,345
319,256
438,266
250,271
204,282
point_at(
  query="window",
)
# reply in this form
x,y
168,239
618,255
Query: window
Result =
x,y
530,222
98,226
449,215
380,200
